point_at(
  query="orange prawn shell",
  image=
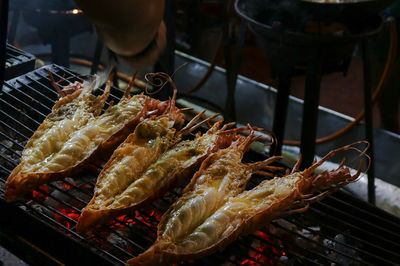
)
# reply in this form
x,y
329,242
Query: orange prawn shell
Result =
x,y
248,226
90,216
15,181
19,184
248,223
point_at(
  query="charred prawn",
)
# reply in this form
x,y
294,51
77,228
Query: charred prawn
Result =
x,y
74,133
174,166
151,138
207,218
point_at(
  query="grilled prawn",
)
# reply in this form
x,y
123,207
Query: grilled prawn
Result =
x,y
191,229
73,134
172,166
143,147
70,113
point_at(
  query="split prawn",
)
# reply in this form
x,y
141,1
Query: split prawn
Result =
x,y
75,133
151,138
184,234
173,166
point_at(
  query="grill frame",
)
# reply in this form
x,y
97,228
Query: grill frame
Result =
x,y
51,230
20,62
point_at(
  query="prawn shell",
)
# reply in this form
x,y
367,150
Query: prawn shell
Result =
x,y
246,225
18,185
63,101
150,257
157,253
91,217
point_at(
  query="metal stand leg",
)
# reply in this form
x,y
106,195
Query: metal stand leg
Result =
x,y
13,26
3,38
232,73
280,113
310,112
60,49
226,38
366,51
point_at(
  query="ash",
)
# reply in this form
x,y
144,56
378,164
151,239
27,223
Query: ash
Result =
x,y
301,243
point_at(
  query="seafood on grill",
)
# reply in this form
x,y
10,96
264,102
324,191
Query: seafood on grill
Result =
x,y
75,133
172,167
151,138
204,220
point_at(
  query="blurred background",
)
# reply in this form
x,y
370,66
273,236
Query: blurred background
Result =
x,y
203,35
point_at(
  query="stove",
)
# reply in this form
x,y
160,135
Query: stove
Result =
x,y
340,230
314,38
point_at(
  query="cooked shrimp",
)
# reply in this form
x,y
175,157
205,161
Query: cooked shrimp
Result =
x,y
174,165
143,147
76,136
69,114
190,231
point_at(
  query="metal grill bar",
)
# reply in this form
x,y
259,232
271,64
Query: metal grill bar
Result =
x,y
390,224
299,247
9,138
79,211
316,243
17,62
8,160
5,169
388,253
15,53
51,101
57,224
285,250
337,241
72,220
344,214
28,96
16,110
365,242
17,122
26,105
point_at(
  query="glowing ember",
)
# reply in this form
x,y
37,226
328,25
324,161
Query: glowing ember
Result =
x,y
68,187
86,186
123,220
39,194
72,214
262,252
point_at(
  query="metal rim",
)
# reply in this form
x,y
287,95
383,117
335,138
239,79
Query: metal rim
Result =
x,y
337,2
307,37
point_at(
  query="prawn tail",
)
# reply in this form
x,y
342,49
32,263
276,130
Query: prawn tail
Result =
x,y
151,256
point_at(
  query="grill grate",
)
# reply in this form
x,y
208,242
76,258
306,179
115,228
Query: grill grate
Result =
x,y
18,62
340,230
